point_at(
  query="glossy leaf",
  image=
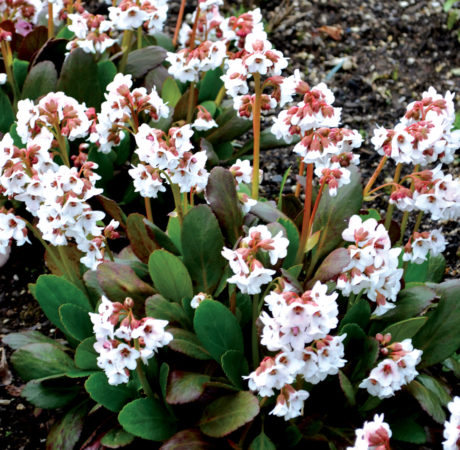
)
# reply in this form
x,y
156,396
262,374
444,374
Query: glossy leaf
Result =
x,y
160,238
143,60
405,329
147,418
116,438
333,265
106,71
18,340
86,356
170,276
202,244
405,429
76,321
267,211
211,84
112,209
439,337
347,388
32,43
40,360
217,329
40,80
262,442
170,92
185,387
223,199
160,308
235,366
228,413
427,400
111,397
359,313
138,237
20,71
187,343
48,394
66,432
190,439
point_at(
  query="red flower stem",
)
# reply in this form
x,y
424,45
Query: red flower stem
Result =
x,y
179,22
315,208
405,218
374,176
298,186
391,206
7,56
256,131
148,209
306,214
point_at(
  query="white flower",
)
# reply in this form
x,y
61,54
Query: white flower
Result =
x,y
452,426
374,435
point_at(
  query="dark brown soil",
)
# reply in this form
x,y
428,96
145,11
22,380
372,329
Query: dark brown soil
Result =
x,y
392,50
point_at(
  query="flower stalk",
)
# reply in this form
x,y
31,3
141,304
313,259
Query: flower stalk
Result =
x,y
306,214
374,176
256,130
391,206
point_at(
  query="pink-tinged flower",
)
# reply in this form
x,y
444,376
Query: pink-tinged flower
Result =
x,y
374,435
422,244
452,426
289,403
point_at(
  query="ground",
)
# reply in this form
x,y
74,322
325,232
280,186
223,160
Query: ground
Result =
x,y
391,51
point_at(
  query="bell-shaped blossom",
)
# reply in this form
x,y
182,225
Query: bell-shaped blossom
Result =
x,y
374,435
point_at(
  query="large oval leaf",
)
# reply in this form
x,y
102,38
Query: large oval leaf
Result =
x,y
405,329
76,321
185,387
48,394
202,244
228,413
148,419
41,80
217,329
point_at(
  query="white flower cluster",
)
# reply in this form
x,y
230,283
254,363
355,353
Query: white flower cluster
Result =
x,y
424,135
11,228
92,32
55,114
122,344
27,10
396,370
373,435
203,120
249,272
315,121
168,157
122,108
56,195
452,426
420,244
373,266
298,328
130,15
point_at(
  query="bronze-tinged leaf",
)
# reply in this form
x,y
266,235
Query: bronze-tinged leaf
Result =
x,y
333,265
185,387
190,439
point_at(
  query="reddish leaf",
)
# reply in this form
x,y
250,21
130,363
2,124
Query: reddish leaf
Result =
x,y
33,42
186,440
185,387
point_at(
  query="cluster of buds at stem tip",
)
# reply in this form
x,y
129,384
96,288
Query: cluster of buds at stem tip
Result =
x,y
375,435
395,370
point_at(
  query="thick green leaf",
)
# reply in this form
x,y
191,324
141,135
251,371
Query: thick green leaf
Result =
x,y
160,238
86,356
267,211
405,429
119,281
262,442
174,232
48,394
51,292
293,235
20,71
333,214
170,92
106,71
439,337
436,268
202,244
210,85
79,78
268,140
65,33
228,413
230,127
235,366
7,115
347,388
411,302
40,360
187,440
18,340
217,329
223,199
428,401
148,419
170,276
430,270
116,438
187,343
181,109
433,385
160,308
41,80
359,313
111,397
164,40
145,59
185,387
405,329
76,321
66,432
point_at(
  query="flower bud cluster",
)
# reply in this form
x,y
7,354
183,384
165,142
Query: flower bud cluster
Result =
x,y
92,32
298,329
373,267
452,426
17,10
315,121
396,370
424,135
56,195
56,114
168,157
122,109
249,273
374,435
203,120
148,14
122,340
11,228
420,244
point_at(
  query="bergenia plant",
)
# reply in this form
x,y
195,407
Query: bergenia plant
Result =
x,y
190,311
